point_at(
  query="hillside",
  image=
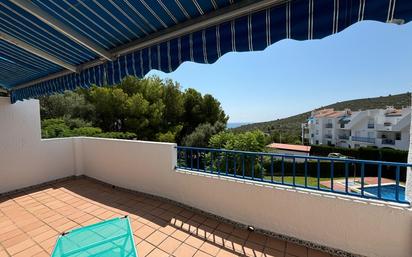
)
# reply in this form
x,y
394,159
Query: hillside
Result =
x,y
290,127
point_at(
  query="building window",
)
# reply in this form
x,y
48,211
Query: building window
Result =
x,y
398,136
371,123
317,142
317,132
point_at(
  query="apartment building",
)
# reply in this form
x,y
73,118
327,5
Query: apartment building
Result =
x,y
382,128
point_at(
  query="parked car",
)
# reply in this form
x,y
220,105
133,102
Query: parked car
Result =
x,y
339,155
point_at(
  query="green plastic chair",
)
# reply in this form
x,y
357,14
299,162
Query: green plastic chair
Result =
x,y
112,238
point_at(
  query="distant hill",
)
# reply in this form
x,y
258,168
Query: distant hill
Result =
x,y
292,125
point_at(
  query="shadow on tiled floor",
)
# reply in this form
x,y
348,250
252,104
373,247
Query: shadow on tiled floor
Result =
x,y
31,221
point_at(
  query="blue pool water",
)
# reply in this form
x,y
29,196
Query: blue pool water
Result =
x,y
387,192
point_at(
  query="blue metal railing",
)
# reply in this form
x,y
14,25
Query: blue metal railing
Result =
x,y
388,141
364,139
361,178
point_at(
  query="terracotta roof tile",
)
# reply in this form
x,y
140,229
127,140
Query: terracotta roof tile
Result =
x,y
290,147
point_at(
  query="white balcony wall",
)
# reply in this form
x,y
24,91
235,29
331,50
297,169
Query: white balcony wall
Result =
x,y
356,225
25,159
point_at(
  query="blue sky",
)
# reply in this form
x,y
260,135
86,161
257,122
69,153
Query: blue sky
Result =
x,y
366,60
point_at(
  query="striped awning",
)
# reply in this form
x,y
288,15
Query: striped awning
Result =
x,y
49,46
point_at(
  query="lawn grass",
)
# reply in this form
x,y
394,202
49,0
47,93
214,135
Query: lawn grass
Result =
x,y
300,180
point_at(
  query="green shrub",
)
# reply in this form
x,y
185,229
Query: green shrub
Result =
x,y
118,135
363,153
86,131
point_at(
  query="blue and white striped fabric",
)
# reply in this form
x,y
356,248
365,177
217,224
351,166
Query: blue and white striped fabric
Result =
x,y
298,19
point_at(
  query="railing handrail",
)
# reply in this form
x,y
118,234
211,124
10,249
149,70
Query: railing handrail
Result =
x,y
364,139
321,158
256,166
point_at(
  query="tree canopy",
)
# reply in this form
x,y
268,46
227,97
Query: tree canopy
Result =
x,y
148,109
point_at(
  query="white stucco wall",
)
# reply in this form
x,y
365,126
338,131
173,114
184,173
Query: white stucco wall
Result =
x,y
25,159
354,225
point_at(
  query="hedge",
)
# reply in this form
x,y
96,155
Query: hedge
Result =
x,y
363,153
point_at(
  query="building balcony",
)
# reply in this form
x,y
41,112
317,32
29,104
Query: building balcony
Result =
x,y
371,126
370,140
388,141
191,208
328,125
193,201
343,137
329,136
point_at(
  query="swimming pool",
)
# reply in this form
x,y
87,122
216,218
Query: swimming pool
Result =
x,y
387,192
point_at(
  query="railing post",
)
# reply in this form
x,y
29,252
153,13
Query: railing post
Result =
x,y
408,185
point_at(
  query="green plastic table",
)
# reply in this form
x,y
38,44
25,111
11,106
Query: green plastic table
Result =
x,y
112,238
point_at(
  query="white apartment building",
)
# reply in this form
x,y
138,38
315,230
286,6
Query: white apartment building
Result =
x,y
382,128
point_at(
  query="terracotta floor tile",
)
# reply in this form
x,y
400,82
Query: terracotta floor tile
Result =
x,y
203,231
234,244
199,218
252,249
218,238
297,250
270,252
210,248
180,235
194,241
167,229
10,234
144,248
137,240
8,228
90,221
276,244
257,238
39,230
170,244
144,232
158,253
66,226
202,254
42,254
21,246
45,235
35,249
226,253
211,223
14,240
156,238
160,228
241,233
49,243
226,228
185,250
186,213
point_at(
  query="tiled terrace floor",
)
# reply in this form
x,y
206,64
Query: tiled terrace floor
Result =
x,y
31,221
